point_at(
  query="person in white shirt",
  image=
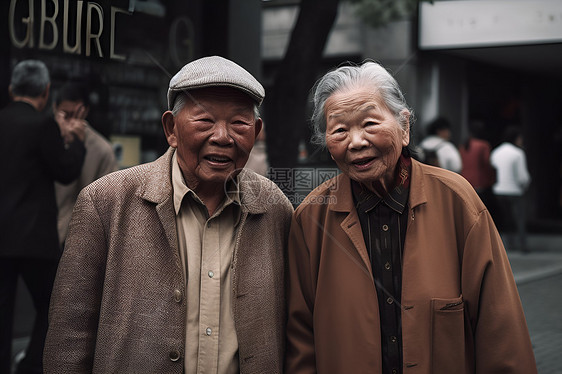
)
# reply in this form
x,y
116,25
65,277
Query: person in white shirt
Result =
x,y
512,180
438,143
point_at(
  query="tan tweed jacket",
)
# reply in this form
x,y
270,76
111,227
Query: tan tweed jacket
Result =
x,y
119,304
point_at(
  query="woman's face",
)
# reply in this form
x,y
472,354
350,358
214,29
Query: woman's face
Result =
x,y
363,136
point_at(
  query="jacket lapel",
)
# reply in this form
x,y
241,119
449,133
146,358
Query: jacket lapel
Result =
x,y
157,188
350,224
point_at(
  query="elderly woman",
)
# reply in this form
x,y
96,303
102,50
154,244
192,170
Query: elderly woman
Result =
x,y
395,266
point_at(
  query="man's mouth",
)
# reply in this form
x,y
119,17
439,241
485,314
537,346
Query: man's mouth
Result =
x,y
219,159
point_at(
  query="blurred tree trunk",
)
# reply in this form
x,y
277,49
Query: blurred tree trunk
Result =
x,y
286,101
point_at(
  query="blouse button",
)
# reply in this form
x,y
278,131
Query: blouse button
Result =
x,y
389,300
387,266
384,227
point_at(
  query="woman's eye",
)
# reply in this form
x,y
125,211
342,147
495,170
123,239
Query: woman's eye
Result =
x,y
370,123
339,130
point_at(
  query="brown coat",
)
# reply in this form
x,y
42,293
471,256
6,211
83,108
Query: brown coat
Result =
x,y
461,311
119,304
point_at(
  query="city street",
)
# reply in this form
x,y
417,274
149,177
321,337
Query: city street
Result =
x,y
539,279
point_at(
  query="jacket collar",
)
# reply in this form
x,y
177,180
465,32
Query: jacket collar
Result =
x,y
157,187
344,198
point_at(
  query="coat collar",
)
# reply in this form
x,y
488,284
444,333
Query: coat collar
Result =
x,y
344,198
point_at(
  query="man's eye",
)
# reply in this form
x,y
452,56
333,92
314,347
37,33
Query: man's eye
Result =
x,y
339,130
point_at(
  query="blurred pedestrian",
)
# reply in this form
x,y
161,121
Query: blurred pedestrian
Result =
x,y
512,182
437,146
476,165
71,105
34,157
394,266
177,266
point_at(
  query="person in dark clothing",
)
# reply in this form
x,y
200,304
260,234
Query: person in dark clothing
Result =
x,y
34,155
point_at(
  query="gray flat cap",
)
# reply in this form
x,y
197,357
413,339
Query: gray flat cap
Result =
x,y
214,71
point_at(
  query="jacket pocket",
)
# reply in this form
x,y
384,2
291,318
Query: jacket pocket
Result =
x,y
447,335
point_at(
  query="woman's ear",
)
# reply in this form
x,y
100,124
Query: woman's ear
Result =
x,y
405,117
169,125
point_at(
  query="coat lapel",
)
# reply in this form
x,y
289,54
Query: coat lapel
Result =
x,y
157,189
350,224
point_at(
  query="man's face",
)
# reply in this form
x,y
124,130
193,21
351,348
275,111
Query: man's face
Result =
x,y
213,134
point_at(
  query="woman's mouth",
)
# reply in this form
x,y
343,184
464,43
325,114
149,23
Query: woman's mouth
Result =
x,y
363,163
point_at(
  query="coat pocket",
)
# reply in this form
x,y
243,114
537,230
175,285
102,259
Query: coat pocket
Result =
x,y
447,335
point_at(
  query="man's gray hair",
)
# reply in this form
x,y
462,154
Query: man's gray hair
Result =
x,y
30,78
368,74
180,100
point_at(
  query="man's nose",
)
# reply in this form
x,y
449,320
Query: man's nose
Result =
x,y
221,134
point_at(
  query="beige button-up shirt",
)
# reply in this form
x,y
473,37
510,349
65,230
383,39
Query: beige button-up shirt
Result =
x,y
206,246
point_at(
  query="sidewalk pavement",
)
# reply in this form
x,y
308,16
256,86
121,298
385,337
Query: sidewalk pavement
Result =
x,y
543,260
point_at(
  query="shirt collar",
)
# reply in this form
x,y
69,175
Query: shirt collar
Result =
x,y
180,189
396,199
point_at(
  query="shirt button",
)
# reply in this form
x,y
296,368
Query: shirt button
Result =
x,y
389,300
177,295
387,266
211,274
208,331
394,371
174,355
393,339
384,227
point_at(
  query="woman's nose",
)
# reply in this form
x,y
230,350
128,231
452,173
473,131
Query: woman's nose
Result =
x,y
358,139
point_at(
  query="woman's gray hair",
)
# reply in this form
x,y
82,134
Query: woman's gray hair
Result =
x,y
30,78
181,98
368,74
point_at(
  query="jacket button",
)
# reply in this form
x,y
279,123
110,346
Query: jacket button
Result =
x,y
174,355
177,296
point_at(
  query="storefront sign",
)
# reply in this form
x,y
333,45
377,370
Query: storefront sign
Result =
x,y
472,23
49,19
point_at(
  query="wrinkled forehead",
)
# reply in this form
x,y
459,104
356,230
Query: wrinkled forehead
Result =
x,y
352,99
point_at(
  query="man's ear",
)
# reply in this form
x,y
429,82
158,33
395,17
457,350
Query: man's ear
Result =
x,y
169,124
45,93
258,126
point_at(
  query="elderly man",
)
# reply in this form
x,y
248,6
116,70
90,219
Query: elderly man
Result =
x,y
176,266
34,156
